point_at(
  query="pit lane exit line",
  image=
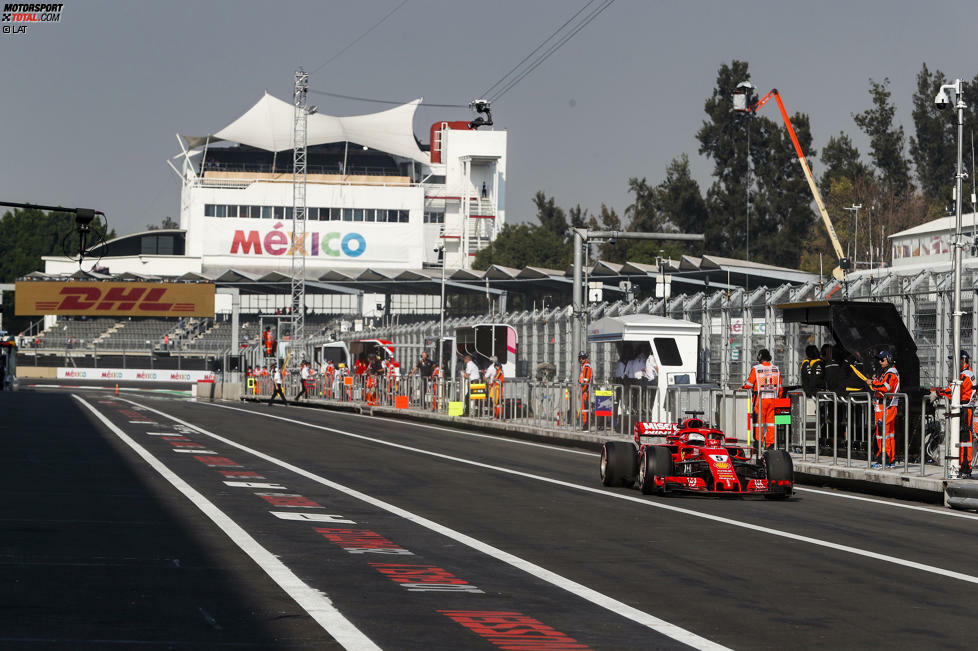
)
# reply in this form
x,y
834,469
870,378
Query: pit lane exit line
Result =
x,y
588,489
588,594
318,605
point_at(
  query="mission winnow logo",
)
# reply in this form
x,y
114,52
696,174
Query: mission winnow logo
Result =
x,y
17,16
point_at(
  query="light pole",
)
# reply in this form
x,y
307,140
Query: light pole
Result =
x,y
943,100
854,208
582,237
441,329
743,104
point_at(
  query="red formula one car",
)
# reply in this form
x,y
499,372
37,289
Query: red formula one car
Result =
x,y
696,459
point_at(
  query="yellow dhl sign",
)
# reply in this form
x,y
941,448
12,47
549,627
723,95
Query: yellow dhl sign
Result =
x,y
156,299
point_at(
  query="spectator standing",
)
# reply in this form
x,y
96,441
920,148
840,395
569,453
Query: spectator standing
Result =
x,y
471,372
277,386
306,379
425,369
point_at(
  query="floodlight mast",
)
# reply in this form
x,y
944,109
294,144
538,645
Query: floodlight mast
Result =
x,y
840,271
299,142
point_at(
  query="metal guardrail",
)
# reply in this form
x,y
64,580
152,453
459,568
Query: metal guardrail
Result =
x,y
840,430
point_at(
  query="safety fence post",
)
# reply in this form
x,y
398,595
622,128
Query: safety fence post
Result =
x,y
906,431
798,398
822,398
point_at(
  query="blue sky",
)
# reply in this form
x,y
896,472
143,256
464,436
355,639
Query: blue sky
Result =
x,y
91,105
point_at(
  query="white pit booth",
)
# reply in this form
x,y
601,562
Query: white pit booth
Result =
x,y
674,342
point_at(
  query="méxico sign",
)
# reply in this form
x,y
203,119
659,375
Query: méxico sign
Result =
x,y
156,299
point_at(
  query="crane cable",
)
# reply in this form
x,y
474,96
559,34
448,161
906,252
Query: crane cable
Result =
x,y
357,39
546,55
486,92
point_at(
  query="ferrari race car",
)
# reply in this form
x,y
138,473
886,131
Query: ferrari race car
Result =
x,y
696,459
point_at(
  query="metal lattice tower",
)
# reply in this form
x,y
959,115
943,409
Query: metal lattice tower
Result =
x,y
298,245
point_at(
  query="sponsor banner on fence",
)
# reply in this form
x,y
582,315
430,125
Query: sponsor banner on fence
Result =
x,y
133,375
114,298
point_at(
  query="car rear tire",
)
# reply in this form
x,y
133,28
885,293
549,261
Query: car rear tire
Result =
x,y
662,465
618,463
646,473
779,467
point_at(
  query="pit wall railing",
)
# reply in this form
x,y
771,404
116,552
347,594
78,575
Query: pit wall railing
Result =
x,y
735,325
825,428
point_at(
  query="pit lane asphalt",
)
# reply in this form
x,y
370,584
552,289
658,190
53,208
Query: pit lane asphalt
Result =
x,y
739,587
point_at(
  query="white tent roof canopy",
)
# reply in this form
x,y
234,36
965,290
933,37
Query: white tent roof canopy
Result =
x,y
268,125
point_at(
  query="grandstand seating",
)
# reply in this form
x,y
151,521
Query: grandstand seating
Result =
x,y
138,333
72,333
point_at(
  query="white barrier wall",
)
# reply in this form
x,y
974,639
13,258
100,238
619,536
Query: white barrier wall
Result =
x,y
133,374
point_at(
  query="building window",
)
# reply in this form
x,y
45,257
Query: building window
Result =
x,y
335,214
210,210
312,214
369,215
358,214
221,211
164,245
266,212
279,212
255,212
232,211
403,216
434,217
348,214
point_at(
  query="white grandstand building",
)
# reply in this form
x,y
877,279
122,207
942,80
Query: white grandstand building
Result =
x,y
377,198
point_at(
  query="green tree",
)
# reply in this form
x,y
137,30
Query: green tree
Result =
x,y
723,139
842,161
25,236
933,146
522,245
886,139
165,223
550,215
783,210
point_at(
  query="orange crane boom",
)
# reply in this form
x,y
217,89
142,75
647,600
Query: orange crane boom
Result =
x,y
840,270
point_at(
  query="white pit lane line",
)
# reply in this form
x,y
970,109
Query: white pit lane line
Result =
x,y
617,607
318,605
588,489
933,510
558,448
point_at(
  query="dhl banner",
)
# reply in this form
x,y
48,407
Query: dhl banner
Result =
x,y
114,298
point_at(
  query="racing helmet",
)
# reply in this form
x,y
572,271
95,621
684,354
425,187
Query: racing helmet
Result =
x,y
885,354
696,439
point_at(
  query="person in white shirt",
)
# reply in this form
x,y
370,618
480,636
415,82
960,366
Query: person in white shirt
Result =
x,y
305,376
491,370
471,370
651,368
277,386
635,368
